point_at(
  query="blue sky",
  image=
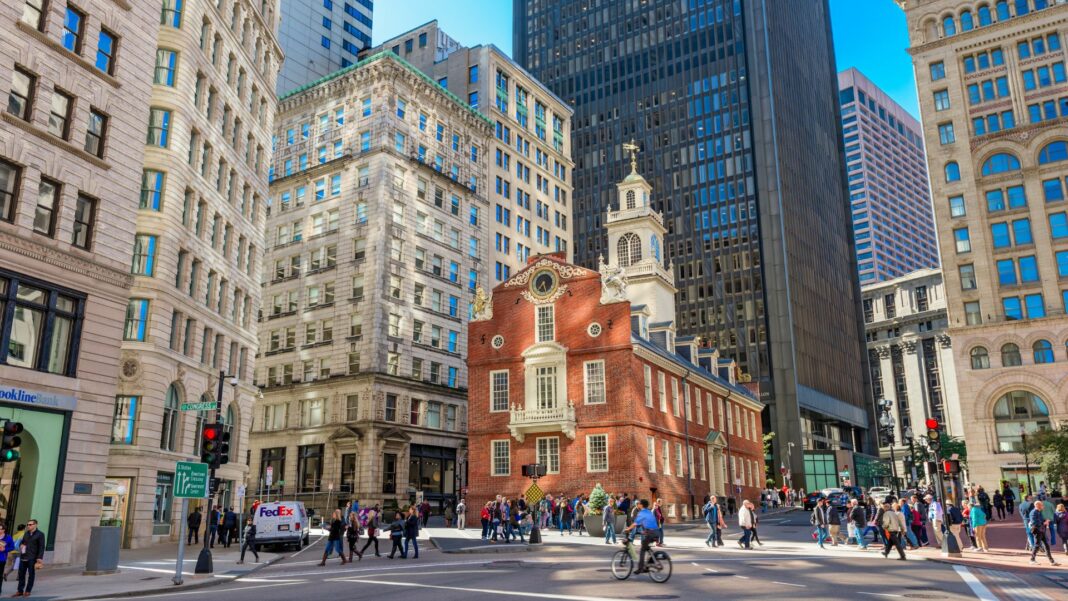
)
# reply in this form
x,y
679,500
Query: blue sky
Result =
x,y
868,34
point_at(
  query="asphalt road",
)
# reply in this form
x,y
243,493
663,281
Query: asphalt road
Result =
x,y
581,573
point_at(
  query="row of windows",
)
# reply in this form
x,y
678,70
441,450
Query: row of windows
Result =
x,y
984,14
49,206
322,368
1042,352
61,111
128,409
314,413
1031,306
73,35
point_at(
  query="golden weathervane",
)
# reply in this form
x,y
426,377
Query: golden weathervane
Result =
x,y
633,148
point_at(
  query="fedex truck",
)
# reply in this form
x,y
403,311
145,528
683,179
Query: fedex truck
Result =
x,y
284,523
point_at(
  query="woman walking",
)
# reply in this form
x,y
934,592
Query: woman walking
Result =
x,y
461,514
7,545
999,504
658,513
333,539
450,514
250,541
372,533
977,519
352,535
485,517
1060,518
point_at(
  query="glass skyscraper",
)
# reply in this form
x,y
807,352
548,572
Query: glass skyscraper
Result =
x,y
886,168
734,105
320,37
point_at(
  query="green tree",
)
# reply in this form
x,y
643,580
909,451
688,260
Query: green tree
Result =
x,y
1049,448
951,446
598,499
769,470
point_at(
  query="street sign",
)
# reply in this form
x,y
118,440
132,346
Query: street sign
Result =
x,y
207,406
270,474
844,474
190,480
241,491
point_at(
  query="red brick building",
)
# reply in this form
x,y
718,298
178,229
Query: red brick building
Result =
x,y
568,372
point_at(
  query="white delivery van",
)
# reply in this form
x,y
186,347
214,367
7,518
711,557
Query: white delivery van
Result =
x,y
282,523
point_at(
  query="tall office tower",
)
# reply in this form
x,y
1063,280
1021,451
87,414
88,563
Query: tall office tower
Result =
x,y
70,151
893,223
994,98
735,107
377,244
197,252
912,368
319,37
531,149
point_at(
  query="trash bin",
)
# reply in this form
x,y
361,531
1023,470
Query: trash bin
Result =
x,y
104,544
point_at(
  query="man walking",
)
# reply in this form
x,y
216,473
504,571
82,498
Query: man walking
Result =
x,y
411,533
746,521
714,518
1025,512
31,558
935,515
834,523
1010,498
1036,521
229,526
213,526
608,521
857,523
192,523
461,514
894,524
820,521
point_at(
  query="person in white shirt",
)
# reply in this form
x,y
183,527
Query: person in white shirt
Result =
x,y
746,520
935,516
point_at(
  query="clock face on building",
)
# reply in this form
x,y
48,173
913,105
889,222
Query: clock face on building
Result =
x,y
543,284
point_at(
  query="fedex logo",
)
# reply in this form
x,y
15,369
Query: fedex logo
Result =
x,y
279,511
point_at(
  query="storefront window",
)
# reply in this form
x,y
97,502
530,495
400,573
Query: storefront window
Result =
x,y
310,467
274,458
432,470
42,328
162,504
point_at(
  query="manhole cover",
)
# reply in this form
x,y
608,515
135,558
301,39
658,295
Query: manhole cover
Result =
x,y
718,574
657,597
920,588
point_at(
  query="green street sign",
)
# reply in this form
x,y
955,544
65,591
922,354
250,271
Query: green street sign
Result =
x,y
208,406
190,480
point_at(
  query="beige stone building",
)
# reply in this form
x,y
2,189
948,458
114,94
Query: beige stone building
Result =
x,y
530,166
197,251
78,82
994,97
910,357
376,242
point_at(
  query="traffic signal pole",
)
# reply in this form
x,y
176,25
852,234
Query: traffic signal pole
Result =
x,y
950,545
204,563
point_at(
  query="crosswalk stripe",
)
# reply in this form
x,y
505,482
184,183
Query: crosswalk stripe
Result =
x,y
1013,586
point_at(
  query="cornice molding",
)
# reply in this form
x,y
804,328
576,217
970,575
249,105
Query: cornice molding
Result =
x,y
66,260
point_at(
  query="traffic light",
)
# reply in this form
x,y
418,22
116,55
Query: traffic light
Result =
x,y
11,442
224,448
210,444
934,434
951,466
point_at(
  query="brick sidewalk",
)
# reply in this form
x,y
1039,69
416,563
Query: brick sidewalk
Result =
x,y
1007,540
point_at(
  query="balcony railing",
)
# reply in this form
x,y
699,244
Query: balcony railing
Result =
x,y
549,419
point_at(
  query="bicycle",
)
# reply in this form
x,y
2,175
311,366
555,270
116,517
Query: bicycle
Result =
x,y
658,564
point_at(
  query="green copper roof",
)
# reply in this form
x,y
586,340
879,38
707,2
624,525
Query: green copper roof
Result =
x,y
386,54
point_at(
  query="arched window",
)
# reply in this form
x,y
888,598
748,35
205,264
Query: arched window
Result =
x,y
1053,152
952,171
168,439
1010,355
966,21
1002,162
629,249
631,202
229,423
985,17
654,244
1022,8
1003,10
1015,412
980,358
1043,351
949,26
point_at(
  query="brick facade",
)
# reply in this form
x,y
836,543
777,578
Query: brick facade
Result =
x,y
628,415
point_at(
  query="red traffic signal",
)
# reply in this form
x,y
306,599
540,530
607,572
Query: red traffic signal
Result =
x,y
932,423
210,443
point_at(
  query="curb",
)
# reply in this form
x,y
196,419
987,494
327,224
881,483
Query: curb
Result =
x,y
206,583
1030,570
488,550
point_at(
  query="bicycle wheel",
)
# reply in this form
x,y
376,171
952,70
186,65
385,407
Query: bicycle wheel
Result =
x,y
661,571
622,565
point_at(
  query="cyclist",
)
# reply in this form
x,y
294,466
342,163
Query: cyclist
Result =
x,y
650,531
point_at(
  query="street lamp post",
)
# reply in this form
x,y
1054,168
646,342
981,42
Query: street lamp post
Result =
x,y
204,562
1027,460
909,437
887,424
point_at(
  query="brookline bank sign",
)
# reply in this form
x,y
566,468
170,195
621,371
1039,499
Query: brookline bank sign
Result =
x,y
34,398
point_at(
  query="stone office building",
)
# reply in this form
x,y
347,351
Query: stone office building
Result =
x,y
77,82
581,371
377,240
993,91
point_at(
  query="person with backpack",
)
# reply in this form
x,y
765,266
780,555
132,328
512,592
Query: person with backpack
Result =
x,y
372,524
714,519
894,524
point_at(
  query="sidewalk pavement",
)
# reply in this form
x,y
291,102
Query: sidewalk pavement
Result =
x,y
1007,540
143,571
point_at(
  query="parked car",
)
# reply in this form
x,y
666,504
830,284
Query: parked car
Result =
x,y
811,499
879,493
839,500
854,492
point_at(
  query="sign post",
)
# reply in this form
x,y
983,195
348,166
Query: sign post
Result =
x,y
190,482
269,477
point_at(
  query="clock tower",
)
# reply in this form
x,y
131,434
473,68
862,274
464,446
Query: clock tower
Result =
x,y
636,245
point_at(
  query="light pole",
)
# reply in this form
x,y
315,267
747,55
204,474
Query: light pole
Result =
x,y
887,424
1027,460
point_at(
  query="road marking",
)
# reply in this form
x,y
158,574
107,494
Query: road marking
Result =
x,y
383,568
1010,584
310,545
742,577
195,592
711,570
882,594
788,584
980,590
494,592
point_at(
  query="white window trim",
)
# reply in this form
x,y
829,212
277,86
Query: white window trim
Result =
x,y
648,386
508,389
606,459
651,453
537,323
493,457
661,391
547,465
586,383
675,409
